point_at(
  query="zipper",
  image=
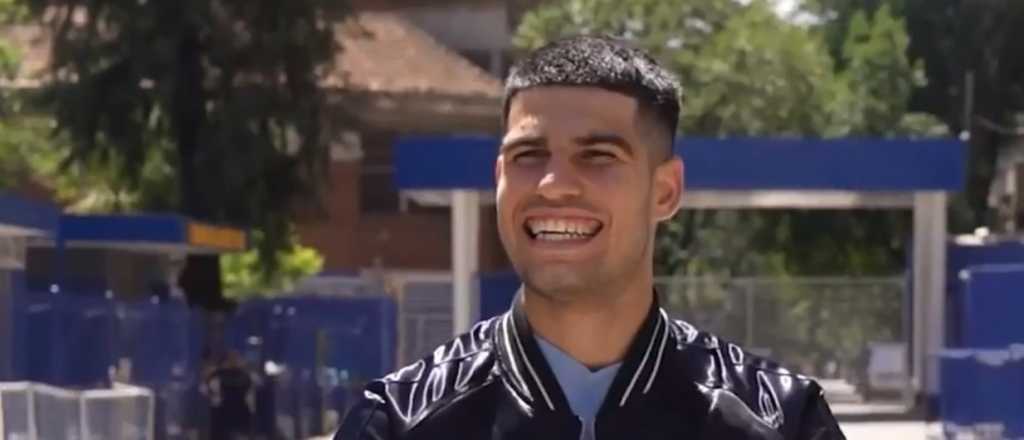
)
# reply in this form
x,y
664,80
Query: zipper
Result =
x,y
583,429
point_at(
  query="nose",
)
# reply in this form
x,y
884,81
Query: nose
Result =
x,y
560,180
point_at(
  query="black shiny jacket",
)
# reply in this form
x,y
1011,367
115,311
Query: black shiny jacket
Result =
x,y
675,383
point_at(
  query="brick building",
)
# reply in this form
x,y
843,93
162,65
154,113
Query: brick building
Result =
x,y
412,67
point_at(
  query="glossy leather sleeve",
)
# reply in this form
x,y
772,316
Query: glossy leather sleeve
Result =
x,y
817,421
368,419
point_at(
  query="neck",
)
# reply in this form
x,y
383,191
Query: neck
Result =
x,y
597,331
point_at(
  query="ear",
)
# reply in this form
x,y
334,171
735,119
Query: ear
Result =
x,y
667,189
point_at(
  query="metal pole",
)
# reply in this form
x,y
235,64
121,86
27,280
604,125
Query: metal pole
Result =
x,y
937,274
750,315
930,229
919,341
33,429
465,236
965,133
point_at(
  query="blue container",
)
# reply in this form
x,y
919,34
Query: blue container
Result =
x,y
983,387
959,258
992,304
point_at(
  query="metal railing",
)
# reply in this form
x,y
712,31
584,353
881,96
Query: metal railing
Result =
x,y
35,411
830,327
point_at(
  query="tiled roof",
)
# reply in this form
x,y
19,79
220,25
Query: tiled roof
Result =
x,y
383,52
380,52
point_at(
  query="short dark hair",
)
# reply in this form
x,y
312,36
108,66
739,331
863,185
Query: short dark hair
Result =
x,y
603,62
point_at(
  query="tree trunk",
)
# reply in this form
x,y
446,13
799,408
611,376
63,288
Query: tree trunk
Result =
x,y
200,278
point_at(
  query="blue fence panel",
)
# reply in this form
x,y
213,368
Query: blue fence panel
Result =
x,y
37,336
156,339
993,301
327,346
983,387
959,258
63,339
87,338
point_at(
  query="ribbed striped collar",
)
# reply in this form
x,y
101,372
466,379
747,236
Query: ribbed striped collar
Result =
x,y
530,375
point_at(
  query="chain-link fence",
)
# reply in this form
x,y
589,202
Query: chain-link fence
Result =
x,y
834,328
33,411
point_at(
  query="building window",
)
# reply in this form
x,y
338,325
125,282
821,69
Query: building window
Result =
x,y
377,190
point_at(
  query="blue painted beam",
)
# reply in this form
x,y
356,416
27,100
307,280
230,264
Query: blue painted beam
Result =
x,y
28,214
124,228
725,164
141,229
813,164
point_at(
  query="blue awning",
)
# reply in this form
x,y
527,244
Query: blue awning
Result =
x,y
435,163
157,233
23,217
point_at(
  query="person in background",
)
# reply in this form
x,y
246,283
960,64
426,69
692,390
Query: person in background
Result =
x,y
230,388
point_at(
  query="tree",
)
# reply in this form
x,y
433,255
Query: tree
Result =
x,y
223,92
244,276
955,39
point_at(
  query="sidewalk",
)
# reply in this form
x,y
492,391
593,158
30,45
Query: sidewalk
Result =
x,y
879,421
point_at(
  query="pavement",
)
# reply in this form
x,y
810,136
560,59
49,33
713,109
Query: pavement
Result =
x,y
886,430
861,420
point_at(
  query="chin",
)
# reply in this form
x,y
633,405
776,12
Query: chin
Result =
x,y
560,283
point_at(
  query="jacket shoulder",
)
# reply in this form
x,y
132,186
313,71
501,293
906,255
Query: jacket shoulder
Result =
x,y
735,362
782,399
400,400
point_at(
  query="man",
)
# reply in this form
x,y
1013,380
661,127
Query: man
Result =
x,y
585,173
230,389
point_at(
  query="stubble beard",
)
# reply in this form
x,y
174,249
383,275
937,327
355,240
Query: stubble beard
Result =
x,y
576,282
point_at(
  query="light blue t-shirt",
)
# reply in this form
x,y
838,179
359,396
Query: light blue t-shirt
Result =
x,y
584,389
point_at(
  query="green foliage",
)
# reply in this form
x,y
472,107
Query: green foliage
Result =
x,y
758,76
244,276
20,136
878,78
950,40
210,108
746,72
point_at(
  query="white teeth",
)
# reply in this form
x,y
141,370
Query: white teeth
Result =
x,y
553,229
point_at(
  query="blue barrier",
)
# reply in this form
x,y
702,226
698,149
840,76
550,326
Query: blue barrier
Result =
x,y
992,303
356,335
982,389
959,258
66,340
155,338
73,340
328,348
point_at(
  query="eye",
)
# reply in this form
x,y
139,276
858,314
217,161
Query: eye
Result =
x,y
528,156
598,156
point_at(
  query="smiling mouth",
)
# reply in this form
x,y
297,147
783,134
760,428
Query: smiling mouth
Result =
x,y
562,229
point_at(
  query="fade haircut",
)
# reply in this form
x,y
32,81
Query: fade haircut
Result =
x,y
606,63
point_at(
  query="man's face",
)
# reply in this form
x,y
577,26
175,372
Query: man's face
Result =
x,y
579,193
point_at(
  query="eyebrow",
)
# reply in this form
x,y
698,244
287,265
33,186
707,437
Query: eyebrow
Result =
x,y
605,138
585,140
523,140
